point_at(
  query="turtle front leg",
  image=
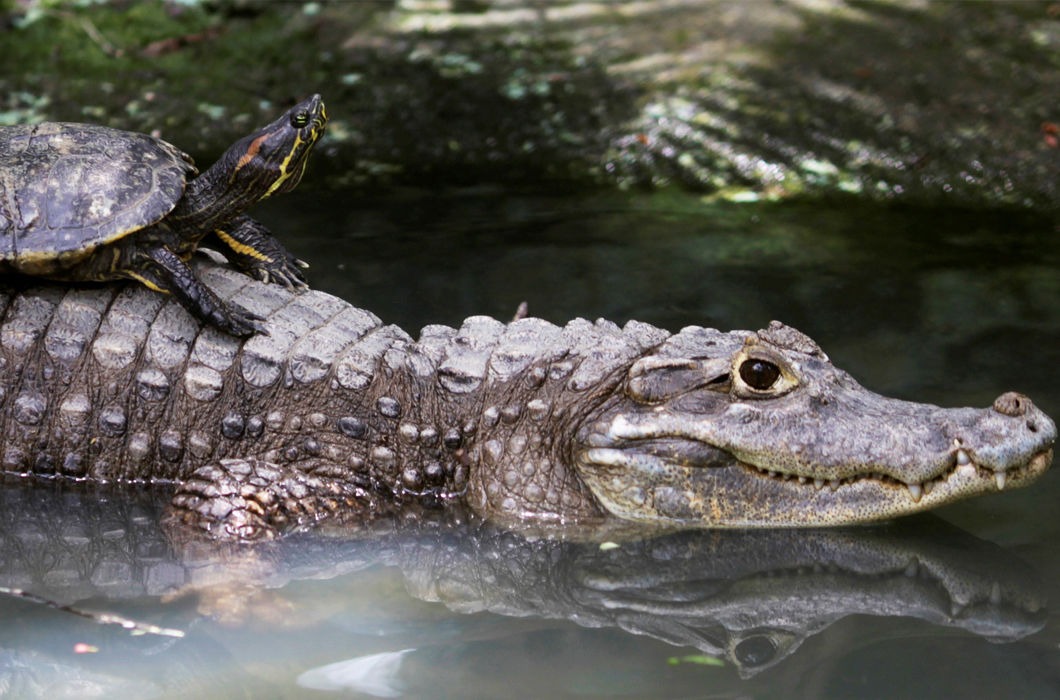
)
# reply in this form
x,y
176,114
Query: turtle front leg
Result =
x,y
252,248
161,269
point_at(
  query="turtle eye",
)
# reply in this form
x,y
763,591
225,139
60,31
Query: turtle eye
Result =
x,y
300,119
759,374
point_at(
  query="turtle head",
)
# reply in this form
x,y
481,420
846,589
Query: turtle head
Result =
x,y
273,159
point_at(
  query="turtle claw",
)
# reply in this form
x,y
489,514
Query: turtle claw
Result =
x,y
241,323
267,259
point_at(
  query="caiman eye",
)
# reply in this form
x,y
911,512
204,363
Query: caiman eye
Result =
x,y
300,119
759,374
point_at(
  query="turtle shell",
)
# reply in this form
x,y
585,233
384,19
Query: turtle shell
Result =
x,y
66,189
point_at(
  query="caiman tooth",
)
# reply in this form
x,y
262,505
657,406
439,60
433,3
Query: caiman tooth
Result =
x,y
818,484
803,479
915,490
995,593
929,486
1000,478
834,484
963,458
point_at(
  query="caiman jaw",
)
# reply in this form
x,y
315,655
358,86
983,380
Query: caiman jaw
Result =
x,y
961,474
647,468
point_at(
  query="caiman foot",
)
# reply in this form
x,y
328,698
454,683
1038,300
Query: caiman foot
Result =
x,y
249,499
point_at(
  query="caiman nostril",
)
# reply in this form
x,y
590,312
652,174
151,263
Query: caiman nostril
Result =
x,y
1012,403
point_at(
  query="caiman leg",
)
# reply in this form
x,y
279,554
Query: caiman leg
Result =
x,y
253,249
251,499
164,271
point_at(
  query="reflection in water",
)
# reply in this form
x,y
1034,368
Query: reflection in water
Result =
x,y
749,599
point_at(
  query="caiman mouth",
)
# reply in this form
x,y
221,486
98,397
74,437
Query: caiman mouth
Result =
x,y
678,478
962,467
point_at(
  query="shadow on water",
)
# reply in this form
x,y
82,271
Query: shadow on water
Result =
x,y
439,605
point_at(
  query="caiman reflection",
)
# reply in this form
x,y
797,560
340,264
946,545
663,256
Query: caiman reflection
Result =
x,y
747,598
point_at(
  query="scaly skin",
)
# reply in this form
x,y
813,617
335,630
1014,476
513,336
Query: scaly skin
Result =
x,y
333,412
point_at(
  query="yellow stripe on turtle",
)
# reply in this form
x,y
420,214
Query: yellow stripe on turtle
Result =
x,y
242,248
283,168
145,282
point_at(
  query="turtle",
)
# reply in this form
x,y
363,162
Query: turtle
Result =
x,y
87,203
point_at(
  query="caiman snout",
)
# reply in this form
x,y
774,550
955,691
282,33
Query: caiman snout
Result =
x,y
1022,436
1016,405
1011,403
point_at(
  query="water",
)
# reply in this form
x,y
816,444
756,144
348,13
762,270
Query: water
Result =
x,y
932,305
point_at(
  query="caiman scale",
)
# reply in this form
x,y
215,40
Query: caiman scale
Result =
x,y
334,412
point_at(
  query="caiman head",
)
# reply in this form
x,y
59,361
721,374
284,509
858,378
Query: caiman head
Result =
x,y
759,429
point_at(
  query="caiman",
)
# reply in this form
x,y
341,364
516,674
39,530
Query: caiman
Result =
x,y
333,412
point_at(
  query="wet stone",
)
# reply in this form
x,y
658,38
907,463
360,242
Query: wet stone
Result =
x,y
352,427
388,407
112,421
232,426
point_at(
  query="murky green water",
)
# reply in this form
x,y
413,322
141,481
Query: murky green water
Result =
x,y
947,307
